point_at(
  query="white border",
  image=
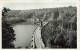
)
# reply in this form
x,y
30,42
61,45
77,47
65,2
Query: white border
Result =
x,y
31,1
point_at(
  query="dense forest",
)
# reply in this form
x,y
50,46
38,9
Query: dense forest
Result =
x,y
31,16
8,35
62,31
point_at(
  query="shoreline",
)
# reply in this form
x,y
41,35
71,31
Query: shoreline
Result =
x,y
25,23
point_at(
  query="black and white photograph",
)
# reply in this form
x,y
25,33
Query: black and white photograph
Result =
x,y
35,25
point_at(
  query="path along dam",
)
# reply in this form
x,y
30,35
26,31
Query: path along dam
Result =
x,y
36,41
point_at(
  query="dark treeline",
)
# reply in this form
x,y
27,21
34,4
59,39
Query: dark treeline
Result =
x,y
8,35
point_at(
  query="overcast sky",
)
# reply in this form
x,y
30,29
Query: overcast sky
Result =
x,y
25,6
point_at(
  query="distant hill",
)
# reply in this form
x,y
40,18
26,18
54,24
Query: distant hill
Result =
x,y
46,14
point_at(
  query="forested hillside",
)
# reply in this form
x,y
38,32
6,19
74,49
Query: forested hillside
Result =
x,y
46,14
62,31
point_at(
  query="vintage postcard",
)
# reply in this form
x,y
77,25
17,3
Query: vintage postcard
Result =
x,y
40,24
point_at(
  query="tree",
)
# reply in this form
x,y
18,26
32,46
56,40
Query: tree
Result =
x,y
19,47
7,31
70,6
56,14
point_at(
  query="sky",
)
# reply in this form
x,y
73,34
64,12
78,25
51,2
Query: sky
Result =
x,y
26,6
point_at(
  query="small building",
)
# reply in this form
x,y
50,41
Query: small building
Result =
x,y
37,20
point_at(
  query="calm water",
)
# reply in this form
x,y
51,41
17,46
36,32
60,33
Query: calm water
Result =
x,y
23,34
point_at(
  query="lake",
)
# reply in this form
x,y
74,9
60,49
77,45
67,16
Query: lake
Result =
x,y
23,35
